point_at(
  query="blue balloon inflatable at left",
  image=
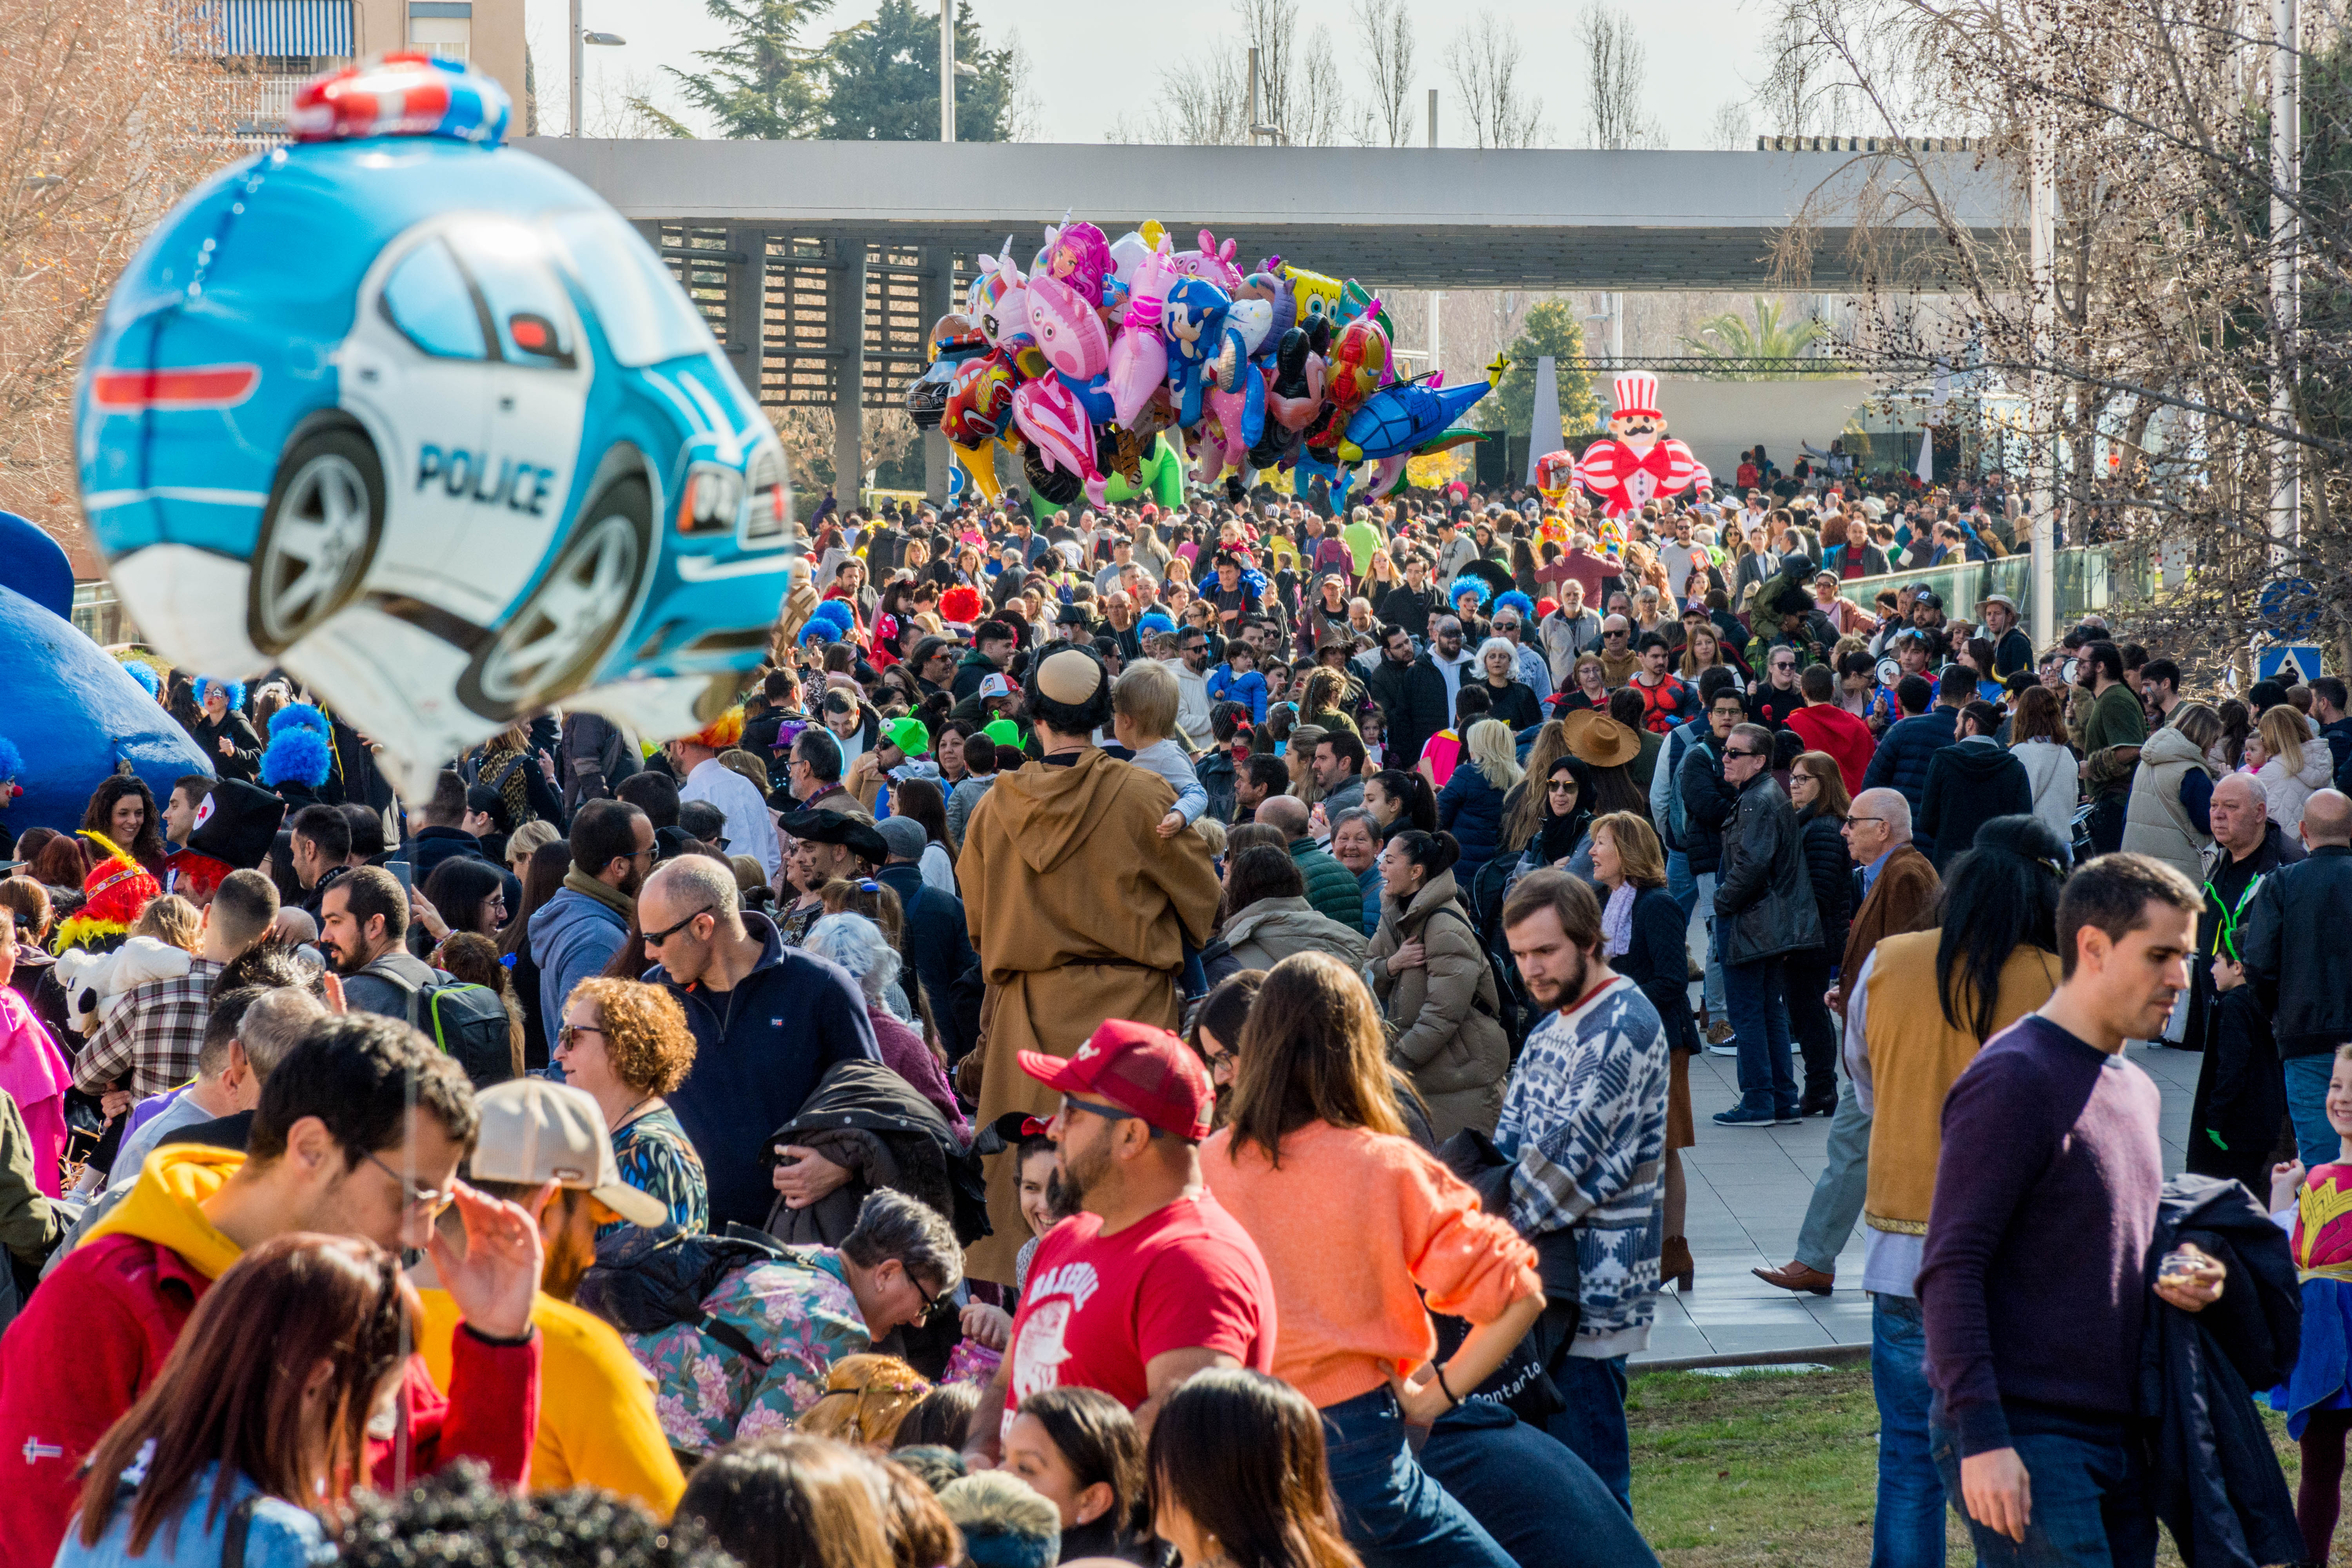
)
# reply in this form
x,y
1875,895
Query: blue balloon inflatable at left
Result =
x,y
72,713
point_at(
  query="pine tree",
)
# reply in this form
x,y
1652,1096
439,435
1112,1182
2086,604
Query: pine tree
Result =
x,y
1551,328
884,80
764,85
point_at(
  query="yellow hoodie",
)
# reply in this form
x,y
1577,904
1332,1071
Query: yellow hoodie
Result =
x,y
597,1421
162,1206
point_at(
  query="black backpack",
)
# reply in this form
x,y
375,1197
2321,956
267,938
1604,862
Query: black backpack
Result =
x,y
468,1022
645,1281
1486,922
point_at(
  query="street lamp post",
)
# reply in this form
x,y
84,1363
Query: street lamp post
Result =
x,y
578,37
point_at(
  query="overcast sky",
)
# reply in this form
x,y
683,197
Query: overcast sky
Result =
x,y
1095,63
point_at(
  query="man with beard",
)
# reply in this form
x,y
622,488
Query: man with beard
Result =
x,y
576,934
1150,1280
1584,1123
362,924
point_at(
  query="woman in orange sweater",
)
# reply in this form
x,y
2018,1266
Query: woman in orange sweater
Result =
x,y
1357,1226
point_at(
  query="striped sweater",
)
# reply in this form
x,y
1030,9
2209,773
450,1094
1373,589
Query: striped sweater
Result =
x,y
1584,1120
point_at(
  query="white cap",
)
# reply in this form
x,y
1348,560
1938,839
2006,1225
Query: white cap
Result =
x,y
535,1131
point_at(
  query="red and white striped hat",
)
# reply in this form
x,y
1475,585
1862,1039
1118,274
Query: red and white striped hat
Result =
x,y
1637,392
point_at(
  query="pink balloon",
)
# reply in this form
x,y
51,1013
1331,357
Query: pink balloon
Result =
x,y
1049,414
1068,331
1138,363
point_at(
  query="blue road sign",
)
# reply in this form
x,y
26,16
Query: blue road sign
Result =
x,y
2290,607
2289,662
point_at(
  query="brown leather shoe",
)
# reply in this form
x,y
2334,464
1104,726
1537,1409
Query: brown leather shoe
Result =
x,y
1798,1276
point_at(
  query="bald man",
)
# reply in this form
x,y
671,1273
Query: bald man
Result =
x,y
2293,958
1330,887
768,1020
1899,888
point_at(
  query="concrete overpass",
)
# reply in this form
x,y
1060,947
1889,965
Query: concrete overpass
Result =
x,y
897,224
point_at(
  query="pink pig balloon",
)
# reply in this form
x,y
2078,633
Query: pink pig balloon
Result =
x,y
1068,331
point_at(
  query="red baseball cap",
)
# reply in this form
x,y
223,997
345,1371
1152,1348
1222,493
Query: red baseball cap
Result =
x,y
1145,1071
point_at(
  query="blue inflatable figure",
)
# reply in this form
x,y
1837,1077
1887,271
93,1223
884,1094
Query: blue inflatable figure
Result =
x,y
72,713
1194,326
421,419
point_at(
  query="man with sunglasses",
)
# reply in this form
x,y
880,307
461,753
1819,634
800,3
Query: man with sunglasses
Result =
x,y
1152,1281
359,1132
768,1020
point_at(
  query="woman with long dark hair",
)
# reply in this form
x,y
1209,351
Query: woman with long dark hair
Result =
x,y
1316,1165
1431,976
1563,797
924,801
542,878
1994,955
1237,1471
1079,1449
260,1419
1818,792
1400,800
1646,938
123,808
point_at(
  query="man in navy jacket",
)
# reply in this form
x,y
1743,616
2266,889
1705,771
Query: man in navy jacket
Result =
x,y
1901,760
767,1019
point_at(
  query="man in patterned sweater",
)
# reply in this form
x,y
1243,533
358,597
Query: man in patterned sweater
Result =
x,y
1584,1122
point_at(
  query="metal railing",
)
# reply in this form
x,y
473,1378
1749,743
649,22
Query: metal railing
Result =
x,y
2085,580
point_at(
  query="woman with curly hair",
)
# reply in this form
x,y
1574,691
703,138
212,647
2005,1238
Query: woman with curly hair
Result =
x,y
123,808
626,1044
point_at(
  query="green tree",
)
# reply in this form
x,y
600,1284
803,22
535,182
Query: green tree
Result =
x,y
1551,328
1769,335
884,80
764,85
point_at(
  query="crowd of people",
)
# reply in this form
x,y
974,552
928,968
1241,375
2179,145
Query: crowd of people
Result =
x,y
1168,1037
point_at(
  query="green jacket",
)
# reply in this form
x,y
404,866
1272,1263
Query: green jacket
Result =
x,y
1330,887
29,1224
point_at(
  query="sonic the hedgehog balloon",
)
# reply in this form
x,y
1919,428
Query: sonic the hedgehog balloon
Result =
x,y
421,419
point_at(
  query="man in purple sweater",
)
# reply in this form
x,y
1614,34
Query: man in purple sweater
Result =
x,y
2034,1281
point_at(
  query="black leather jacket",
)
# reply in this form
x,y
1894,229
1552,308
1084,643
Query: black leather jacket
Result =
x,y
1763,889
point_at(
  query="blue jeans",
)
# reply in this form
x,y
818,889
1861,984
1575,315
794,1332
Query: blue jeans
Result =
x,y
1540,1502
1757,994
2315,1143
1716,1009
1593,1425
2090,1508
1908,1531
1390,1510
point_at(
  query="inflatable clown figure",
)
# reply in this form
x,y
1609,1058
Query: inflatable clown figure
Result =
x,y
1636,462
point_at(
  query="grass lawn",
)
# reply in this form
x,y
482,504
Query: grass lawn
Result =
x,y
1776,1467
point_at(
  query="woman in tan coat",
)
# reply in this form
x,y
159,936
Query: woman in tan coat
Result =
x,y
1445,1017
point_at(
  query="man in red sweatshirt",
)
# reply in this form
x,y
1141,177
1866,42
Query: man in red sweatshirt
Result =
x,y
1824,726
359,1132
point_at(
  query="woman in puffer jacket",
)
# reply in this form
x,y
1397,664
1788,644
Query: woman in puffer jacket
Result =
x,y
2288,763
1431,974
1470,806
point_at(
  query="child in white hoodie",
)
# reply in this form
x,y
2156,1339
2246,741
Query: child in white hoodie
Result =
x,y
1143,702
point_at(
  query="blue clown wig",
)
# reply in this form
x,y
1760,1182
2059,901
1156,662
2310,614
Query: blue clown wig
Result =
x,y
1515,600
296,716
235,689
144,674
12,763
829,622
1469,584
296,753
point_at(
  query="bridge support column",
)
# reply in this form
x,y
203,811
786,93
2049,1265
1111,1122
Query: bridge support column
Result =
x,y
747,305
845,324
939,298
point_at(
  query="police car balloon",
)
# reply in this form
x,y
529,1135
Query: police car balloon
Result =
x,y
420,418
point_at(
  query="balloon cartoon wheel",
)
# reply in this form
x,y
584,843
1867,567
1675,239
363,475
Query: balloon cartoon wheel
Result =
x,y
572,620
318,536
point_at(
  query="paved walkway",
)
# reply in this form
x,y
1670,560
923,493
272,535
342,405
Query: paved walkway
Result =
x,y
1748,1188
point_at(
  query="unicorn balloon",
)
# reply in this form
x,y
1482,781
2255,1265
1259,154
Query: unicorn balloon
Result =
x,y
1000,300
